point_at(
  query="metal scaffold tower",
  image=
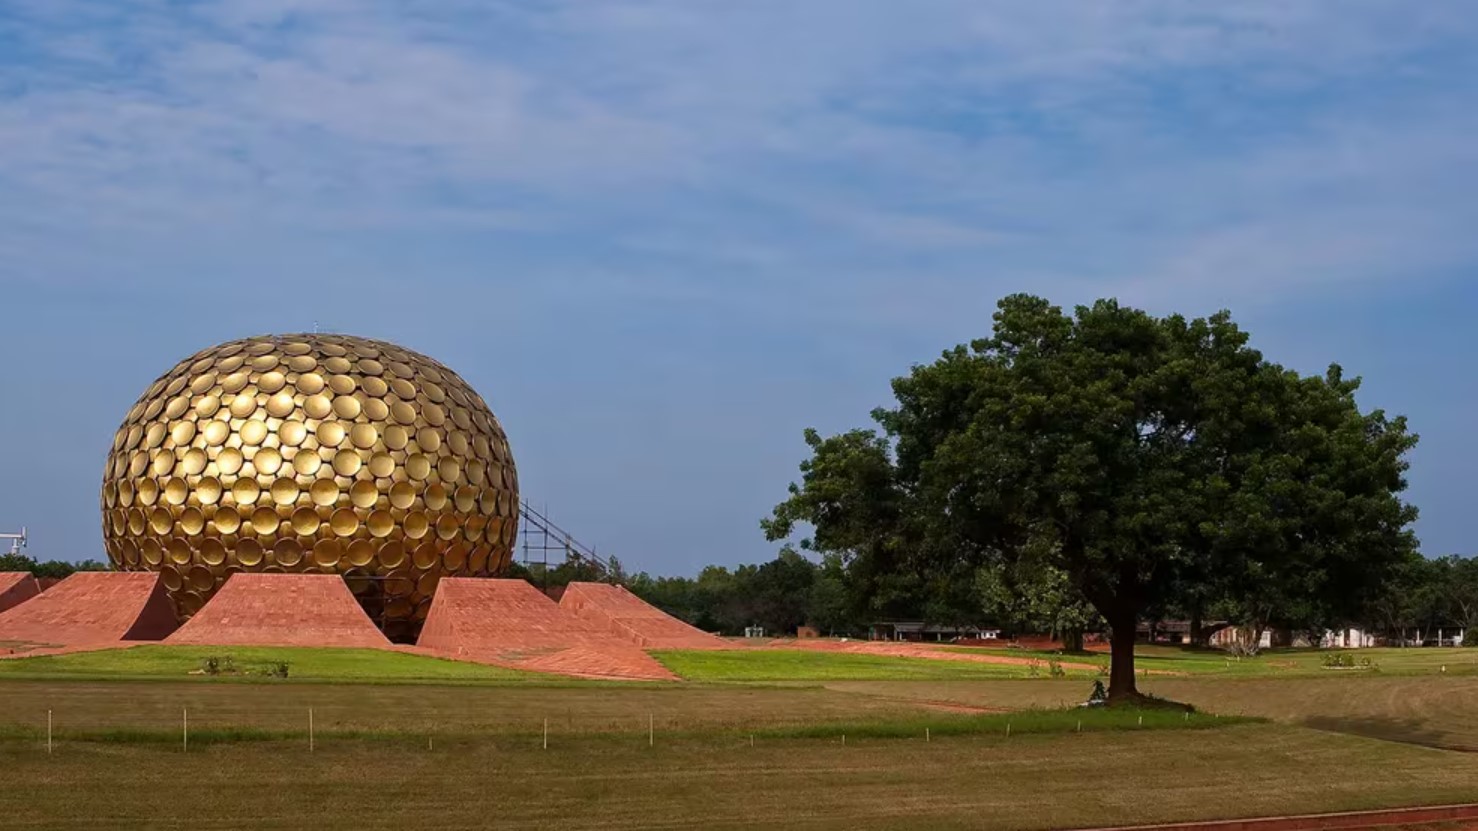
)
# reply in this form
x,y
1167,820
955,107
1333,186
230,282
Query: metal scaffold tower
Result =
x,y
540,536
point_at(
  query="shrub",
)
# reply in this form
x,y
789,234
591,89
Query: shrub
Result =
x,y
215,665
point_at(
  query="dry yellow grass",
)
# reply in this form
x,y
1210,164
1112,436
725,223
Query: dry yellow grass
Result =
x,y
1435,710
620,783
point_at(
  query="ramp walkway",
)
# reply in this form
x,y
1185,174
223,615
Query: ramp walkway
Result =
x,y
281,610
616,610
16,587
510,623
93,608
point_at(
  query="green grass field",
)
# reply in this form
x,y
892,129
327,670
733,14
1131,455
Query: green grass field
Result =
x,y
1278,662
253,663
804,665
753,739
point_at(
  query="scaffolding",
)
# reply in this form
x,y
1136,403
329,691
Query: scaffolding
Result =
x,y
539,536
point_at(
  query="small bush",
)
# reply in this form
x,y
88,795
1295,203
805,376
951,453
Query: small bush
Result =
x,y
1054,668
216,665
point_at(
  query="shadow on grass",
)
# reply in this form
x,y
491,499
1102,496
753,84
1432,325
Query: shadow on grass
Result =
x,y
1404,730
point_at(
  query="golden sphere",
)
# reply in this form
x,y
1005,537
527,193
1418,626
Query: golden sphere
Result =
x,y
312,453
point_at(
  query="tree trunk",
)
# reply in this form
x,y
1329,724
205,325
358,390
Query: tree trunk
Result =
x,y
1197,637
1072,640
1121,655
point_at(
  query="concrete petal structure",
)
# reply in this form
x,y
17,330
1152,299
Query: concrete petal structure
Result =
x,y
510,623
281,610
16,587
93,608
623,614
311,453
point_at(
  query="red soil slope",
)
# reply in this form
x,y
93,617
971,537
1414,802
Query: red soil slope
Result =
x,y
16,587
281,610
93,607
510,623
618,611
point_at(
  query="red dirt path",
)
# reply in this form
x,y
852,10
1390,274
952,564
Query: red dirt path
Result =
x,y
91,608
16,587
904,649
510,623
615,610
281,610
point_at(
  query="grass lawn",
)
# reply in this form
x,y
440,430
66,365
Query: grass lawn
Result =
x,y
806,665
408,741
491,708
1437,711
1272,662
1027,781
252,663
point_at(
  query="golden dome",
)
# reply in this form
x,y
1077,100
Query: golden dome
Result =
x,y
312,453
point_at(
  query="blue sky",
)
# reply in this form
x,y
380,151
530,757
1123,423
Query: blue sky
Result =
x,y
662,238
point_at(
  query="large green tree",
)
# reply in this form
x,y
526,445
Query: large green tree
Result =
x,y
1134,453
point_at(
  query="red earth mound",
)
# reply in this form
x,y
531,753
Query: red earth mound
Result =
x,y
510,623
16,587
91,608
281,610
621,613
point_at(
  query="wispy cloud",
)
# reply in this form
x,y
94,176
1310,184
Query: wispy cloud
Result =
x,y
858,177
1159,140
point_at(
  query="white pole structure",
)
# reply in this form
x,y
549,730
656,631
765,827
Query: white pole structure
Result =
x,y
651,731
926,734
546,734
48,731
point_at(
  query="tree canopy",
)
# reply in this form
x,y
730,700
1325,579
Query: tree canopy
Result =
x,y
1137,455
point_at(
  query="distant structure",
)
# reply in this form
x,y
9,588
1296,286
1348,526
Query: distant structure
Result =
x,y
17,541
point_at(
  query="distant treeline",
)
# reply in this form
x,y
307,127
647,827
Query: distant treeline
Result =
x,y
48,568
781,595
1421,597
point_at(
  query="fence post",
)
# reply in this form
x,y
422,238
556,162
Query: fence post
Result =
x,y
546,734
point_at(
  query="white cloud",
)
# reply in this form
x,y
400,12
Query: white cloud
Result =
x,y
1148,145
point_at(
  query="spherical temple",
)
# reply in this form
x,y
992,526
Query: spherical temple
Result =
x,y
308,452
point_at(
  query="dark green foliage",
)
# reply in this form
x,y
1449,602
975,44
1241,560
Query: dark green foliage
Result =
x,y
48,569
1139,456
781,595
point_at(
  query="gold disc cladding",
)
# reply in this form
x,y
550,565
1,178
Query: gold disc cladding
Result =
x,y
310,451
